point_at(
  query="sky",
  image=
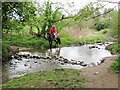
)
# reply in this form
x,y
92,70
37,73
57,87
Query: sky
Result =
x,y
77,4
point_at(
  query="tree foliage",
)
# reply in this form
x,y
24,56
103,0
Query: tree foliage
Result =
x,y
114,23
102,25
16,13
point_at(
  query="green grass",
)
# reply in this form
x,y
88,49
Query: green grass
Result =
x,y
5,49
116,65
50,79
114,48
74,41
25,41
70,40
57,78
22,41
35,42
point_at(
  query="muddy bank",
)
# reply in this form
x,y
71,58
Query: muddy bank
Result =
x,y
12,50
101,76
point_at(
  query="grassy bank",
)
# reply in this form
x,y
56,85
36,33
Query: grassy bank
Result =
x,y
75,41
115,49
116,65
25,41
35,42
22,41
57,78
77,37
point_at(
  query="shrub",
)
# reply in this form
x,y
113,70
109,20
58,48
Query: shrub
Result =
x,y
101,25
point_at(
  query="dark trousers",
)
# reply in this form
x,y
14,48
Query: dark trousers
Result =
x,y
53,36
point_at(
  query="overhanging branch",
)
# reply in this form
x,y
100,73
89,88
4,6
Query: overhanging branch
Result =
x,y
111,2
100,14
94,12
63,18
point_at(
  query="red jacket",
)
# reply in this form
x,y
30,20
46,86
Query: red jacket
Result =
x,y
52,30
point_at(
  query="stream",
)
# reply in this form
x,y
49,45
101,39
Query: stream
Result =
x,y
74,57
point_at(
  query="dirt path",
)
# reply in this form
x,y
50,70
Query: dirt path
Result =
x,y
101,76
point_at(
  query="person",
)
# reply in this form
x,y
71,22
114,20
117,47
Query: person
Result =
x,y
53,31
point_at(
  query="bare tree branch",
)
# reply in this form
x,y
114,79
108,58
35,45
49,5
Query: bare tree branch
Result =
x,y
68,17
111,2
63,18
94,12
101,14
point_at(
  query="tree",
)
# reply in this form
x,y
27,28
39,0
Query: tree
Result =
x,y
17,12
114,23
43,17
47,17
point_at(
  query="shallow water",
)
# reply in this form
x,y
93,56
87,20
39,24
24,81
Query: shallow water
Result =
x,y
19,67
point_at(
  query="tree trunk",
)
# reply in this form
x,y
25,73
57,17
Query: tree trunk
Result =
x,y
34,33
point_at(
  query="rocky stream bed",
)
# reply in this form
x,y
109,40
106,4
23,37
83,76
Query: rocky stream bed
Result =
x,y
75,57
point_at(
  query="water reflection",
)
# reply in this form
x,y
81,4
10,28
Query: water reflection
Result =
x,y
85,54
53,52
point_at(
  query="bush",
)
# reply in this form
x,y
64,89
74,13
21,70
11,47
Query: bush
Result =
x,y
101,25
